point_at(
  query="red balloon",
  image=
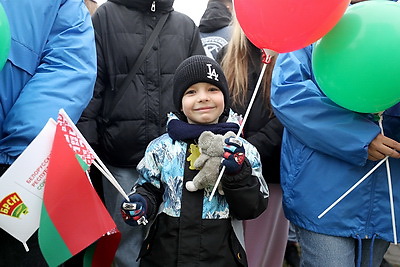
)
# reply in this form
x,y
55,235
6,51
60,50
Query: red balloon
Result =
x,y
287,25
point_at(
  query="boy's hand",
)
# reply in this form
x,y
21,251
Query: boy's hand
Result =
x,y
134,211
234,155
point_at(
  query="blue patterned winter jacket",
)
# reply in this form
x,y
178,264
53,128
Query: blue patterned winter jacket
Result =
x,y
162,173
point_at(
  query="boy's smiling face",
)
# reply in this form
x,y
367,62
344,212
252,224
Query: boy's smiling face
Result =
x,y
203,103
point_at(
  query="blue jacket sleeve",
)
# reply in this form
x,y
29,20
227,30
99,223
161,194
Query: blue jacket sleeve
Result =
x,y
312,118
65,72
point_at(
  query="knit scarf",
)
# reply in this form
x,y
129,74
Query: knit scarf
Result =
x,y
180,130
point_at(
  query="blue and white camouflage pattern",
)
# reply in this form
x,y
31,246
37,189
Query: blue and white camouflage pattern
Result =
x,y
164,163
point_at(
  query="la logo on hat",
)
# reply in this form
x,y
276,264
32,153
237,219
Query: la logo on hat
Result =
x,y
212,73
199,69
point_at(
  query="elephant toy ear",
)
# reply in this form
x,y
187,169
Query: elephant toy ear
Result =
x,y
190,186
205,139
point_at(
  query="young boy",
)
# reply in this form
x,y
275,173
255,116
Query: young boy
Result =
x,y
188,229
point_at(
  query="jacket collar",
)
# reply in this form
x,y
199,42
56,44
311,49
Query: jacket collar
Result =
x,y
147,5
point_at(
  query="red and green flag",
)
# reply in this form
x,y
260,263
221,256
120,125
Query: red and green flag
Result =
x,y
73,216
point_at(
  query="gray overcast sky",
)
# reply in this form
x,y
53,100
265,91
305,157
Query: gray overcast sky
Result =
x,y
192,8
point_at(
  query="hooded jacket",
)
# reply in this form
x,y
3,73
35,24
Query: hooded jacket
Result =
x,y
214,27
324,153
190,230
122,28
215,17
51,65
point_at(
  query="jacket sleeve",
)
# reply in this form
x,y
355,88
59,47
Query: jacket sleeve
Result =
x,y
268,139
64,77
149,182
88,122
153,196
391,122
246,192
312,118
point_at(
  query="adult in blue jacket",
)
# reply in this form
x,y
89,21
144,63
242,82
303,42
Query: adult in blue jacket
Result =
x,y
51,65
326,149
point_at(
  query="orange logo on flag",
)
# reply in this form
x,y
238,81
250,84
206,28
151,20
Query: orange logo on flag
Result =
x,y
12,205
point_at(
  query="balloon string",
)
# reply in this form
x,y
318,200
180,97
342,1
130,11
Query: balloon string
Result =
x,y
389,178
353,187
242,125
386,159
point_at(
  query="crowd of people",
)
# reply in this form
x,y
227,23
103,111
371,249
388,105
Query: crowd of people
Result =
x,y
145,84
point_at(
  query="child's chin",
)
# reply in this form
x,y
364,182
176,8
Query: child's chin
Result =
x,y
204,120
210,121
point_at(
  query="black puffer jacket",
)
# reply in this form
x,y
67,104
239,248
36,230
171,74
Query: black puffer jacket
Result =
x,y
140,116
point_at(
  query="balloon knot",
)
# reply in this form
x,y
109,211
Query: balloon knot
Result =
x,y
266,59
267,55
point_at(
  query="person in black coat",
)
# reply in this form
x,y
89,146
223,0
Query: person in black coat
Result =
x,y
242,63
119,132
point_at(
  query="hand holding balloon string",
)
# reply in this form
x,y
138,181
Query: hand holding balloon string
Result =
x,y
383,146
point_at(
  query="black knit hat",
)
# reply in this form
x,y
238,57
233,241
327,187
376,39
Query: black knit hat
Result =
x,y
196,69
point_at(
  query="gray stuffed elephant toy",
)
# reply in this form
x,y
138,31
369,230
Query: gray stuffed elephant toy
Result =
x,y
211,148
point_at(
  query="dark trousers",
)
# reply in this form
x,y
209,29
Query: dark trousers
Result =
x,y
13,254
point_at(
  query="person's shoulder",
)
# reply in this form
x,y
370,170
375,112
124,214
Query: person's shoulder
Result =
x,y
182,17
107,7
162,139
161,146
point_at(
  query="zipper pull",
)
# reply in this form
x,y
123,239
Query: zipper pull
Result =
x,y
153,6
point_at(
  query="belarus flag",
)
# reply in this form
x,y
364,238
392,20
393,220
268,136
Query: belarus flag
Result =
x,y
73,216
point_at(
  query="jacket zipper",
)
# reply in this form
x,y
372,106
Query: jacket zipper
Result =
x,y
153,6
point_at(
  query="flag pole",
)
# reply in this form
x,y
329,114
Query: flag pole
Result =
x,y
111,179
102,168
25,246
268,57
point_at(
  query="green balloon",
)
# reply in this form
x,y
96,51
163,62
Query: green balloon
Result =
x,y
357,63
5,37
